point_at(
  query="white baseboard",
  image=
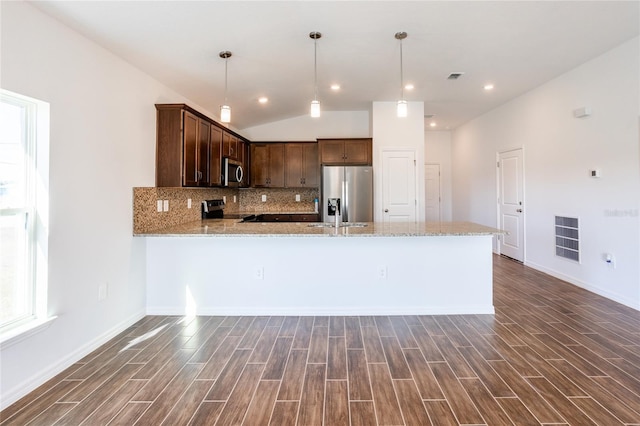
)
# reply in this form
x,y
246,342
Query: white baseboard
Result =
x,y
325,311
12,395
597,290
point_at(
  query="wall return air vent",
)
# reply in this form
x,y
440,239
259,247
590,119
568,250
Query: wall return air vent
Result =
x,y
568,238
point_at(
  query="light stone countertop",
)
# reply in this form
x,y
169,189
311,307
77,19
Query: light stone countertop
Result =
x,y
234,228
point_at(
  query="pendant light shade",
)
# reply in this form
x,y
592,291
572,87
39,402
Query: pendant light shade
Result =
x,y
402,108
225,114
315,109
315,103
225,110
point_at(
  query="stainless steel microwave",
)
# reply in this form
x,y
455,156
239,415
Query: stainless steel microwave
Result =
x,y
232,173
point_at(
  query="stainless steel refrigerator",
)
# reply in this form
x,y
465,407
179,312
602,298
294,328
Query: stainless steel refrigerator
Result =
x,y
349,190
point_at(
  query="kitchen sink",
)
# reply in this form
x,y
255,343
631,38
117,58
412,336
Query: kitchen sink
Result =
x,y
342,225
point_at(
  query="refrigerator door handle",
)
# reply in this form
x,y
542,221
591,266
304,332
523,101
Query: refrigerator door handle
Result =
x,y
345,208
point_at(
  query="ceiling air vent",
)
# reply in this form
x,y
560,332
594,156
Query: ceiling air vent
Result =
x,y
429,115
455,75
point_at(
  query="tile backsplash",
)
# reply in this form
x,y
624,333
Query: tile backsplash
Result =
x,y
278,200
147,218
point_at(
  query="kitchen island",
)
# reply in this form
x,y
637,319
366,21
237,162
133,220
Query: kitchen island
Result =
x,y
224,267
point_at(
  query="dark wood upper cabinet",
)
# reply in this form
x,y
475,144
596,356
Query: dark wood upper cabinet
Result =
x,y
229,146
355,151
204,135
215,157
267,165
301,165
190,165
190,147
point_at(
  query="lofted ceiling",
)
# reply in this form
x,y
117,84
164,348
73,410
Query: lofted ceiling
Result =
x,y
514,45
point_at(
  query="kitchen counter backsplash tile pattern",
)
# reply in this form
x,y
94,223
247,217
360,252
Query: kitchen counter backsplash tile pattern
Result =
x,y
147,218
279,200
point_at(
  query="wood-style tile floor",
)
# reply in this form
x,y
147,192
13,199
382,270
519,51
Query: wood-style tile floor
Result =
x,y
552,354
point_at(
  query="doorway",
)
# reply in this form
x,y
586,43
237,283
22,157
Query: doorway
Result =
x,y
399,186
511,211
432,192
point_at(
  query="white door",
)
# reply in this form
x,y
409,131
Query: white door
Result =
x,y
432,192
399,186
511,203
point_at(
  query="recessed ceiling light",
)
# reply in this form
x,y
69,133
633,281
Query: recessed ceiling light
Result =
x,y
488,86
335,87
263,99
409,86
432,124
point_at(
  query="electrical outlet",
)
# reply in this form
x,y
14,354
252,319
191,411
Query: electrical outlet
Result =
x,y
165,205
159,205
188,203
235,199
259,273
382,272
298,197
610,260
103,291
224,199
264,198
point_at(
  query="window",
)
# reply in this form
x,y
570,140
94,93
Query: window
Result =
x,y
24,126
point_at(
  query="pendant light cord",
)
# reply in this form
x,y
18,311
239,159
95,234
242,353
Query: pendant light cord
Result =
x,y
401,74
315,69
226,62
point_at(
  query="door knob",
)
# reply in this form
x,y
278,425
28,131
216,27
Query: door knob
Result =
x,y
519,210
386,210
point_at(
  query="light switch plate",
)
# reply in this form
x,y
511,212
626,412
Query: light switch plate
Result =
x,y
298,197
224,199
188,203
159,205
165,205
235,199
264,198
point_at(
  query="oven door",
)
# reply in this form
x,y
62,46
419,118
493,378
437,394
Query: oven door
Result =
x,y
233,173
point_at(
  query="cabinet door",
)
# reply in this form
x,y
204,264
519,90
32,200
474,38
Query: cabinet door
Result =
x,y
215,157
311,168
276,165
357,151
229,146
331,151
293,172
190,150
259,165
204,133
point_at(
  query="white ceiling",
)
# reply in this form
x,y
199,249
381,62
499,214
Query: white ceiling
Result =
x,y
514,45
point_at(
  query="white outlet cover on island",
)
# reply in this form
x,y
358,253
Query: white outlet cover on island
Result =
x,y
264,198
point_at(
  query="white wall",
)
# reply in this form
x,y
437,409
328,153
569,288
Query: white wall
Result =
x,y
437,150
559,152
393,133
331,124
102,143
180,280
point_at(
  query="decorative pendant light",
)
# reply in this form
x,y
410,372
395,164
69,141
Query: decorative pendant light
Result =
x,y
402,109
315,103
225,110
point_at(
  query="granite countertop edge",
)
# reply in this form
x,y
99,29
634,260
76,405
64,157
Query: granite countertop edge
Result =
x,y
227,228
